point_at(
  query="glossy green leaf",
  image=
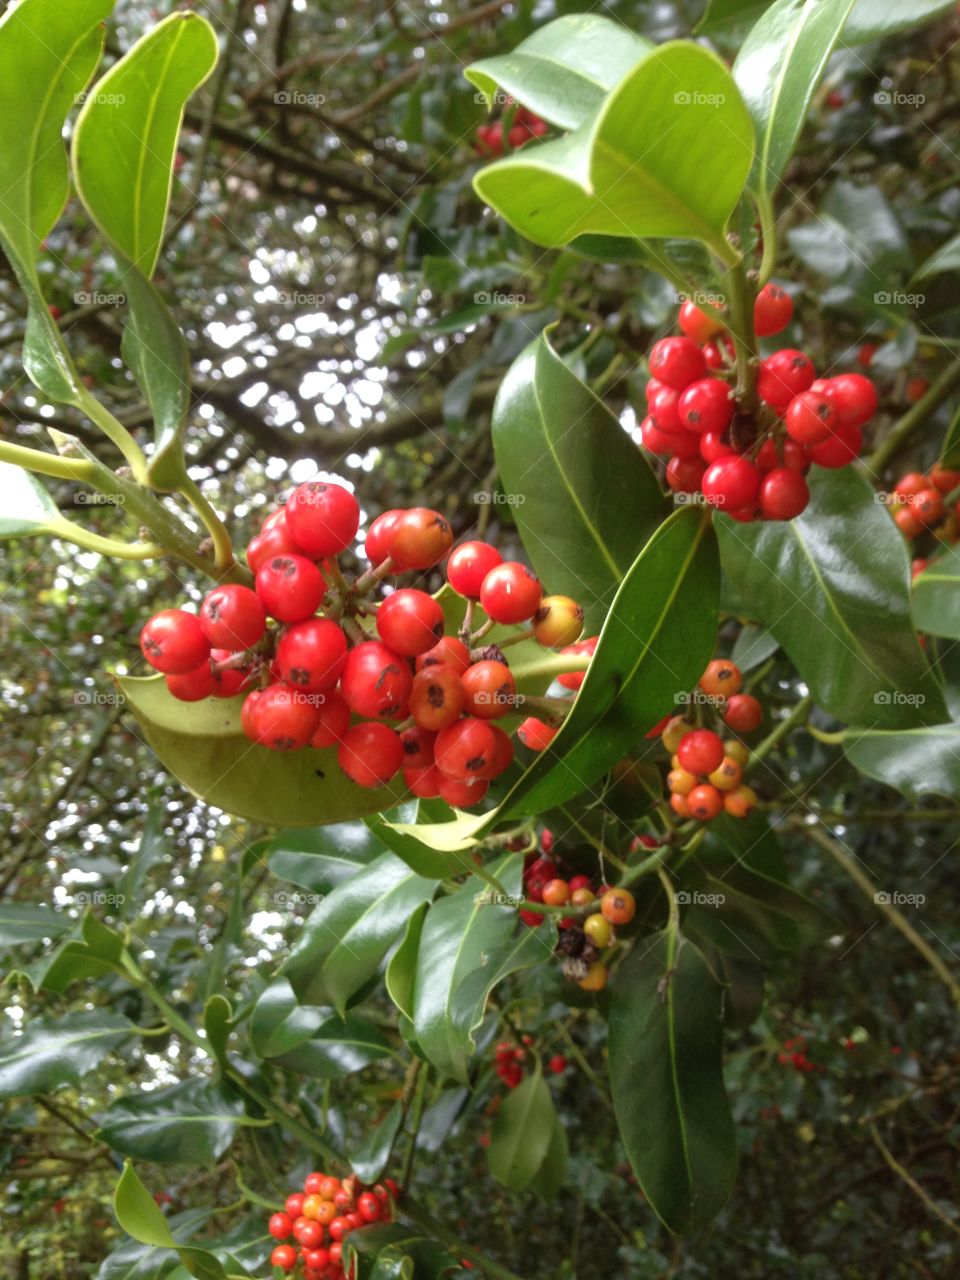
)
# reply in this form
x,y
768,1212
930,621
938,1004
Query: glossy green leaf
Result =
x,y
917,762
320,858
666,153
946,258
666,1076
132,1260
585,499
565,69
369,1160
27,508
950,454
202,745
193,1123
419,857
833,587
26,922
217,1023
469,943
139,1215
347,936
552,1174
402,969
521,1134
875,19
48,52
744,990
721,14
74,959
338,1047
57,1051
395,1251
278,1023
752,647
936,596
778,69
123,154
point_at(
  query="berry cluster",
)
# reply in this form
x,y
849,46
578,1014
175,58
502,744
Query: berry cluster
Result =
x,y
795,1055
752,466
321,1218
523,126
928,504
510,1059
298,645
706,775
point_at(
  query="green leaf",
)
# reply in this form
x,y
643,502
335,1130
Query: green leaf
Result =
x,y
875,19
202,745
752,647
25,922
217,1023
950,455
552,1174
150,851
395,1251
345,939
134,1261
48,52
522,1131
916,762
402,969
585,499
123,154
278,1023
720,14
338,1047
946,258
193,1123
667,153
27,507
419,857
370,1159
936,596
666,1076
564,69
57,1051
469,943
322,857
778,69
833,587
139,1215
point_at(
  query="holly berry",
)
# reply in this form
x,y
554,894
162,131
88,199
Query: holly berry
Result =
x,y
369,1207
928,506
284,719
557,1065
461,793
280,1226
731,483
944,480
466,750
535,734
599,930
232,617
736,750
447,651
697,324
174,642
370,754
677,362
284,1256
772,310
469,564
811,417
378,536
839,449
706,405
490,690
721,679
783,494
312,655
854,397
674,733
419,539
582,648
664,410
308,1233
437,697
556,893
510,593
618,906
743,713
727,776
681,781
424,782
275,541
410,622
322,517
704,802
294,1208
193,685
595,979
376,682
290,587
784,375
740,801
334,720
557,622
701,750
685,475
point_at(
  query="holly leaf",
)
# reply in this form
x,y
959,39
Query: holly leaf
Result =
x,y
58,1051
192,1123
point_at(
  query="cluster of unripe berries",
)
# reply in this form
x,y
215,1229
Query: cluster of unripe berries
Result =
x,y
493,139
928,503
706,774
320,1219
406,696
750,466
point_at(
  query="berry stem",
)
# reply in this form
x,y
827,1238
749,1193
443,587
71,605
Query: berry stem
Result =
x,y
768,231
369,579
773,739
482,631
744,338
467,622
916,417
673,921
115,431
91,541
222,548
46,464
516,638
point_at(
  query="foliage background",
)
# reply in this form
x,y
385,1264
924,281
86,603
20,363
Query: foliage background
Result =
x,y
350,306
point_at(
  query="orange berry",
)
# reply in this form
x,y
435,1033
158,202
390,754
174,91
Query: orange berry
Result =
x,y
738,803
678,804
721,679
704,802
618,906
595,978
681,781
673,734
728,775
556,893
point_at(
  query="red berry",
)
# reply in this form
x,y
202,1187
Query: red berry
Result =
x,y
701,750
685,474
944,480
469,564
731,483
663,407
865,354
839,449
284,719
784,375
417,747
275,541
230,680
677,362
795,455
699,325
510,593
192,686
714,446
743,713
307,1233
322,517
369,1207
284,1256
334,720
280,1226
461,794
854,398
312,654
370,754
437,697
173,642
466,750
378,536
490,690
706,405
910,484
772,310
423,783
810,417
419,539
557,1064
503,757
582,648
704,802
232,617
294,1207
915,390
928,506
783,494
290,587
719,352
410,622
447,651
376,682
316,1261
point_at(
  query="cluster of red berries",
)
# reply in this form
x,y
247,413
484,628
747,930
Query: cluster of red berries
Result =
x,y
321,1218
492,139
928,503
307,678
509,1060
795,1055
706,775
752,466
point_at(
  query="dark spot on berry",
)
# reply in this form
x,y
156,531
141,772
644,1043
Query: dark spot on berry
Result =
x,y
437,630
299,675
475,763
390,670
435,695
